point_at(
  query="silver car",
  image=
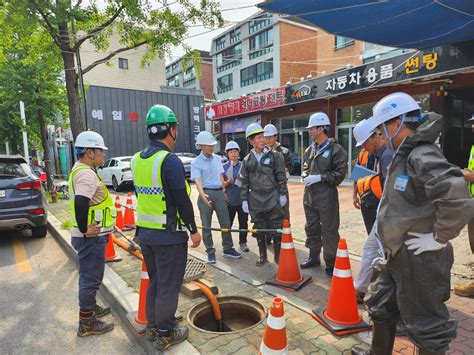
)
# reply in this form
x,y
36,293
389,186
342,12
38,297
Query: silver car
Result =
x,y
22,200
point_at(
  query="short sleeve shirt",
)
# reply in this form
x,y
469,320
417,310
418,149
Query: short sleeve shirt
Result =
x,y
209,170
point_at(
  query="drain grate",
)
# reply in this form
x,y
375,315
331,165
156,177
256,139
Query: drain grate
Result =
x,y
194,270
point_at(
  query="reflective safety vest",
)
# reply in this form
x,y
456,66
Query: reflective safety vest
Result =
x,y
470,167
103,213
370,184
151,200
363,158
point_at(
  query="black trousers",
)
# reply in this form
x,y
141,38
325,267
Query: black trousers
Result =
x,y
166,265
243,220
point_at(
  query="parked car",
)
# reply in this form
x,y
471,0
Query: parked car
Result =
x,y
186,159
22,200
116,172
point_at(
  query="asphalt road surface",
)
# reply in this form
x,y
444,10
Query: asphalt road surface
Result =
x,y
38,302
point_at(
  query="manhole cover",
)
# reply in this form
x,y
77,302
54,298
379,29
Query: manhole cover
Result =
x,y
238,314
194,270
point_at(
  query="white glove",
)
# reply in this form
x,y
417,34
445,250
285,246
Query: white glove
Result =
x,y
283,200
312,179
245,206
423,242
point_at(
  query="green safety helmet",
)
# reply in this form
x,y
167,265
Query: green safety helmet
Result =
x,y
160,114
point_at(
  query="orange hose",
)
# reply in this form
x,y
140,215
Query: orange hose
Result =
x,y
124,246
210,296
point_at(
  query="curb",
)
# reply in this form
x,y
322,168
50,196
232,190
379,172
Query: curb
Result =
x,y
122,298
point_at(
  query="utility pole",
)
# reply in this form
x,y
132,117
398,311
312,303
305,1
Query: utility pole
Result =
x,y
25,137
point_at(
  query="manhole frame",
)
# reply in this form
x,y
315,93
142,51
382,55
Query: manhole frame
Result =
x,y
226,298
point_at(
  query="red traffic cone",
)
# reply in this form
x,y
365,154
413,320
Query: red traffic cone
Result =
x,y
274,338
341,316
138,319
288,276
110,254
119,222
129,214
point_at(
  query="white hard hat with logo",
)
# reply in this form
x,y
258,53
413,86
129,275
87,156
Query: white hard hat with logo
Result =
x,y
270,130
232,145
392,106
90,139
362,132
205,138
318,119
252,129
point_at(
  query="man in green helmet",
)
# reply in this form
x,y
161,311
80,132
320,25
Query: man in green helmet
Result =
x,y
164,216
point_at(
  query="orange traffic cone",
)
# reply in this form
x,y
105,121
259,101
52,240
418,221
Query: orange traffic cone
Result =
x,y
119,222
138,319
110,254
288,276
274,338
129,215
341,316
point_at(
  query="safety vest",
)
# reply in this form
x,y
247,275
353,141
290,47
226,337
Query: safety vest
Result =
x,y
151,202
470,167
363,158
103,213
372,183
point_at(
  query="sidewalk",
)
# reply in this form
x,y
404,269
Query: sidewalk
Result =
x,y
306,335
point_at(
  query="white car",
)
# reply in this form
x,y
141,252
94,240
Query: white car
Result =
x,y
116,172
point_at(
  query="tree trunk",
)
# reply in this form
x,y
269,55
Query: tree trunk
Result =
x,y
44,143
75,117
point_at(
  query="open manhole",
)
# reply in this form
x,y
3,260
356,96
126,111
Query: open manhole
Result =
x,y
238,314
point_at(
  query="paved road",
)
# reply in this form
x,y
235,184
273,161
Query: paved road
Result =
x,y
38,302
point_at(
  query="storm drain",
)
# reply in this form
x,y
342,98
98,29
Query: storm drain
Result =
x,y
194,270
238,314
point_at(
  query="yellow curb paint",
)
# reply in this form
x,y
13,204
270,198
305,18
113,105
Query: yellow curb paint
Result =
x,y
22,263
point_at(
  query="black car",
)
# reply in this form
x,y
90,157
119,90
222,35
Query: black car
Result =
x,y
22,200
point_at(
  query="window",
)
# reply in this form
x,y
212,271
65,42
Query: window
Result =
x,y
224,83
229,58
173,81
341,42
235,35
123,63
256,73
175,66
113,163
260,22
220,43
257,42
189,74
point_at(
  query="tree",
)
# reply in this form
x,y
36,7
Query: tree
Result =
x,y
137,23
30,67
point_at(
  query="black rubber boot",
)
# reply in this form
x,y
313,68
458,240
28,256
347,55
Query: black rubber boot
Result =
x,y
313,260
382,340
262,250
276,249
93,326
429,352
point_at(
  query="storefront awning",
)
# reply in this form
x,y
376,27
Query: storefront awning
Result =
x,y
416,24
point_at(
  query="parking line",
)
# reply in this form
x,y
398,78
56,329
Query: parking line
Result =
x,y
22,263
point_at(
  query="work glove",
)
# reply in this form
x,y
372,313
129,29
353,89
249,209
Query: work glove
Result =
x,y
423,242
245,206
283,200
312,179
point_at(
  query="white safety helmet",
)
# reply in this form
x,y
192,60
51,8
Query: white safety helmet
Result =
x,y
362,132
90,139
318,119
270,130
232,145
252,129
205,138
391,106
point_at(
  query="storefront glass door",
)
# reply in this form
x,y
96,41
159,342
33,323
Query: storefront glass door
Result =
x,y
346,139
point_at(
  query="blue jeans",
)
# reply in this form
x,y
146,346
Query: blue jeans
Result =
x,y
91,257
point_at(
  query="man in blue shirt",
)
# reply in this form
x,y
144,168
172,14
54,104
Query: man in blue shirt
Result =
x,y
207,173
232,185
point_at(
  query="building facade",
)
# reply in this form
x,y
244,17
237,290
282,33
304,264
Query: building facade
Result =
x,y
188,79
125,70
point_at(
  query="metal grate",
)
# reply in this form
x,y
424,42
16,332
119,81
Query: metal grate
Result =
x,y
194,270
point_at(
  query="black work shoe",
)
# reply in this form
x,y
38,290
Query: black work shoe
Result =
x,y
178,334
93,326
311,262
329,271
261,260
101,311
151,333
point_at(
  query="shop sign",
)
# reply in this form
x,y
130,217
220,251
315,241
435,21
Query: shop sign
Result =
x,y
239,124
388,71
251,103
